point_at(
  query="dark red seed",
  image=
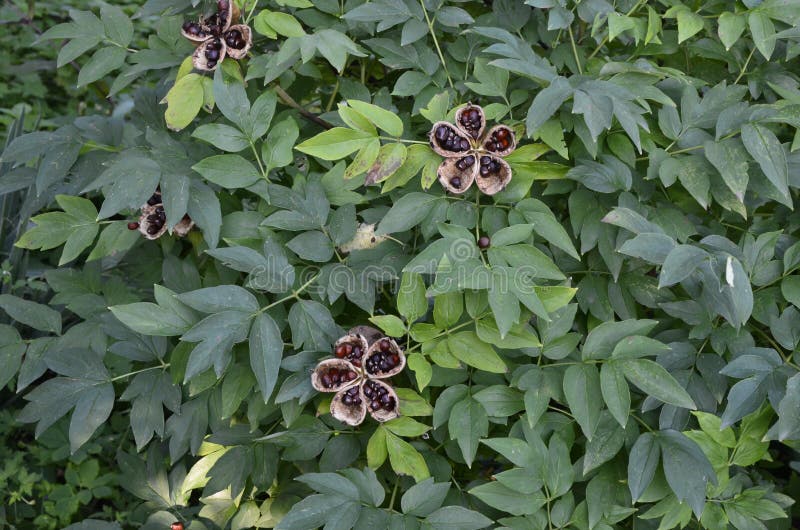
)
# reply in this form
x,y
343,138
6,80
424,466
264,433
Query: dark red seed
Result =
x,y
177,525
501,134
133,225
484,242
351,375
326,380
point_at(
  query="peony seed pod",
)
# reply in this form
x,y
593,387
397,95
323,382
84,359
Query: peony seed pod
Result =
x,y
494,174
384,359
499,141
349,406
456,175
381,400
352,347
238,40
448,141
184,226
364,238
471,119
209,54
153,221
333,375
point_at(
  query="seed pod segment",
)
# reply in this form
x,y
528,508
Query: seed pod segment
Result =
x,y
368,332
447,140
352,348
333,375
238,40
456,175
471,119
380,399
349,406
494,174
384,359
153,221
209,54
499,141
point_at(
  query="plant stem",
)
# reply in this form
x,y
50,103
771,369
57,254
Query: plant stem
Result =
x,y
575,50
288,100
744,67
436,43
123,376
294,295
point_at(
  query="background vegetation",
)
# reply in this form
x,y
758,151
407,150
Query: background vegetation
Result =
x,y
641,375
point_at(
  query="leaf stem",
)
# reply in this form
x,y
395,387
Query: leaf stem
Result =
x,y
394,492
295,295
575,50
310,116
163,366
744,67
436,43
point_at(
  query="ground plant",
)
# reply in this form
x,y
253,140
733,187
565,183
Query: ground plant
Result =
x,y
403,264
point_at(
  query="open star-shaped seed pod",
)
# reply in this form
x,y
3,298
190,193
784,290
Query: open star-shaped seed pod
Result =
x,y
153,219
470,155
357,378
218,37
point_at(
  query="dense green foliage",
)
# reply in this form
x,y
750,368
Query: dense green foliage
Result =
x,y
618,354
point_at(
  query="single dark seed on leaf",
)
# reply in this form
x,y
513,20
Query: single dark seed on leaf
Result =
x,y
133,225
177,525
484,242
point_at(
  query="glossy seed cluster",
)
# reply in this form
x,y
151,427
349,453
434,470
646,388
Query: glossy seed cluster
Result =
x,y
449,139
334,377
362,362
153,219
382,360
471,121
488,166
213,52
500,139
234,39
379,397
351,352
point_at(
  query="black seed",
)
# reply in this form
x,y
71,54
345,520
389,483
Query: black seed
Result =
x,y
441,133
484,171
469,160
455,182
485,160
464,145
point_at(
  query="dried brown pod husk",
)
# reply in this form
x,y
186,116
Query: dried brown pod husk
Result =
x,y
200,33
202,62
494,182
384,346
453,178
349,406
500,141
325,368
471,119
439,140
381,413
184,226
153,221
246,39
356,347
368,332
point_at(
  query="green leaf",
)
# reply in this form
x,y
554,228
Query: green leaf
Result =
x,y
266,350
469,349
730,159
104,61
600,342
389,324
686,468
642,464
283,23
230,171
335,143
407,212
423,498
389,160
766,149
411,300
655,381
405,426
468,423
582,390
457,518
376,448
381,118
184,101
616,393
405,459
276,151
37,316
222,136
312,246
150,319
790,289
689,23
763,31
731,27
506,499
